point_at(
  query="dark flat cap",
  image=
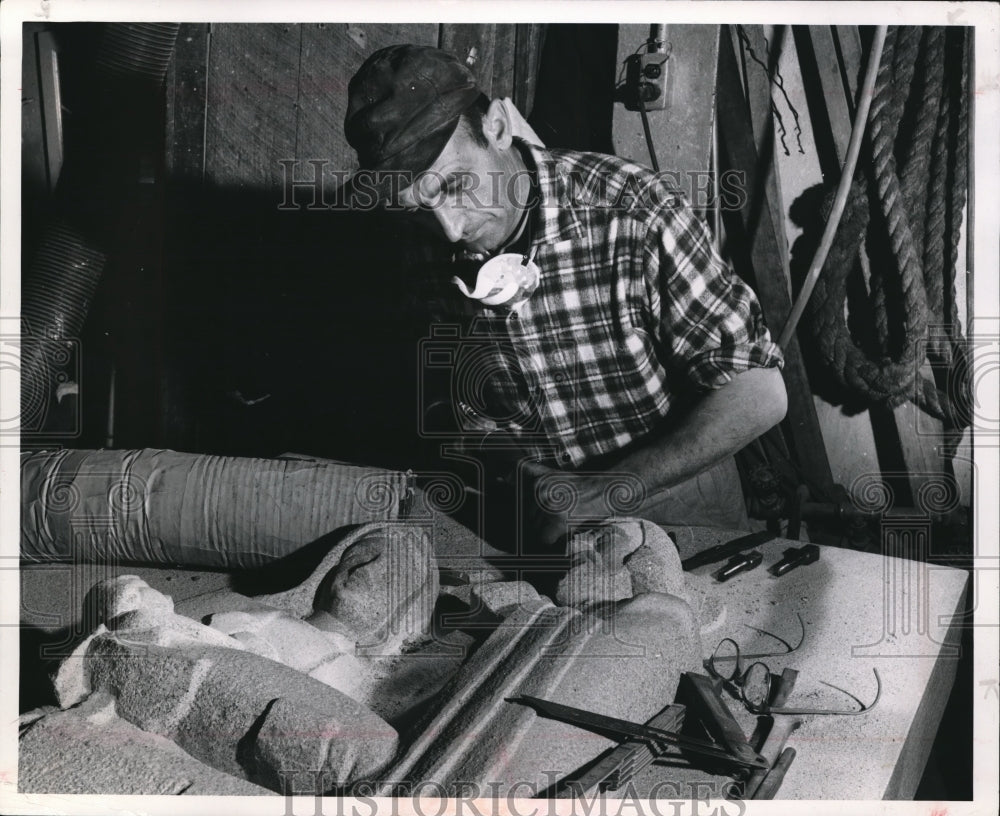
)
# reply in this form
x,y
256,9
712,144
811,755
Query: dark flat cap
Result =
x,y
403,106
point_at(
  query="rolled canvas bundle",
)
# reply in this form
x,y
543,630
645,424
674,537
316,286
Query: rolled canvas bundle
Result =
x,y
164,507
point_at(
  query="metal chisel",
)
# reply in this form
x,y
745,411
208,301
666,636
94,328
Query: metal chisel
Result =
x,y
625,729
722,551
795,557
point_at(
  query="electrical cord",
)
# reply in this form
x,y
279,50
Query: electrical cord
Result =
x,y
649,138
843,188
620,86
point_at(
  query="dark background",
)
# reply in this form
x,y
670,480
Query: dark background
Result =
x,y
236,327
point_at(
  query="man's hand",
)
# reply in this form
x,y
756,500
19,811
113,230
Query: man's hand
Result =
x,y
550,497
718,425
555,501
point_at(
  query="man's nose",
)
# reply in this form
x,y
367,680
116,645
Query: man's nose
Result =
x,y
451,222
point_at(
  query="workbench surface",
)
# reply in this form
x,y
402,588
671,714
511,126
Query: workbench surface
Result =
x,y
861,612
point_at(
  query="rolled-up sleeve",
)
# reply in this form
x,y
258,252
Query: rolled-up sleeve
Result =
x,y
711,323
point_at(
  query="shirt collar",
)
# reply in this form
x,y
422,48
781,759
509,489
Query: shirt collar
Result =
x,y
556,220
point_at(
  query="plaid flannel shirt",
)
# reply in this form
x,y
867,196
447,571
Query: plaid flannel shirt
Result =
x,y
634,311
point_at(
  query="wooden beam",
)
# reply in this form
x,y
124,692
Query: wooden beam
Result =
x,y
847,41
35,178
758,89
764,259
473,44
187,102
504,61
530,39
253,94
818,59
907,441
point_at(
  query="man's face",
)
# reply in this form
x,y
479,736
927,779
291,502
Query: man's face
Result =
x,y
469,196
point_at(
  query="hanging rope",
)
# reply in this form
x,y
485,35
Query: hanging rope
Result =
x,y
917,194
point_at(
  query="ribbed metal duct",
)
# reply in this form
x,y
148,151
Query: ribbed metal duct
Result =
x,y
137,50
60,282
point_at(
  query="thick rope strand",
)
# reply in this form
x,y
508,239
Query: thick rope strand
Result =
x,y
919,198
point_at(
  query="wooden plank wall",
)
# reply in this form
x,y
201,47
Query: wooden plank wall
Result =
x,y
273,92
807,146
252,285
899,445
681,133
758,248
241,98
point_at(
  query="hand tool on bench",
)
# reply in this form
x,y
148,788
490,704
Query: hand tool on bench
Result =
x,y
769,787
743,756
705,705
739,563
795,557
720,552
620,764
781,728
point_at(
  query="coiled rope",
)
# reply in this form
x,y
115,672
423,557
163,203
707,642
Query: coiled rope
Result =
x,y
917,194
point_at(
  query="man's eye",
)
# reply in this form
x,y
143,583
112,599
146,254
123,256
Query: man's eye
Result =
x,y
429,187
453,184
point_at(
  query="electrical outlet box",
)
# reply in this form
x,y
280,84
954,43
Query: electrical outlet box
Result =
x,y
646,81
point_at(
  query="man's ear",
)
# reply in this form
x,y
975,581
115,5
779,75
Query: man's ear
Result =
x,y
497,125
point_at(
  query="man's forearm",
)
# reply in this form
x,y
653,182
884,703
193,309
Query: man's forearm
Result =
x,y
719,424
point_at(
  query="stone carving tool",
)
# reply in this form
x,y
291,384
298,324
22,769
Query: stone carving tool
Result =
x,y
781,727
623,729
620,764
720,552
795,557
769,787
739,563
704,700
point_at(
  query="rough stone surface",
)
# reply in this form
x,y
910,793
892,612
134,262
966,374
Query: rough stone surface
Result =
x,y
462,592
128,606
499,598
202,689
90,750
471,575
655,565
624,666
395,686
619,560
71,682
128,603
275,699
597,573
405,683
378,585
347,673
392,685
202,607
275,634
210,701
456,546
465,722
296,739
592,581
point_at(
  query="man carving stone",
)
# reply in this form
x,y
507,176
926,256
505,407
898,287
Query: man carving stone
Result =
x,y
638,353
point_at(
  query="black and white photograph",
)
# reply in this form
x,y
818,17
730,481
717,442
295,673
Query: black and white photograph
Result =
x,y
544,408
